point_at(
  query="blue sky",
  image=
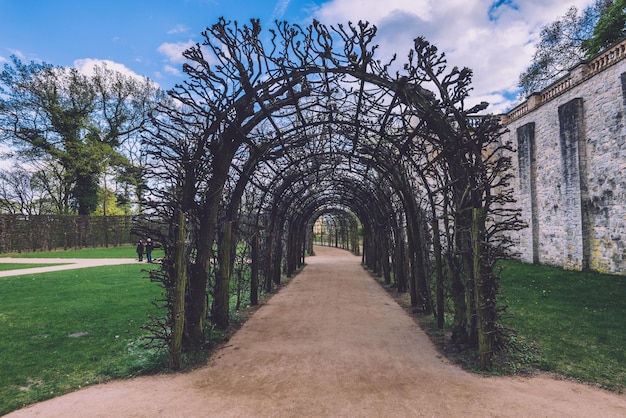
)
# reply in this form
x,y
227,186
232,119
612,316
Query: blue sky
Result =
x,y
145,37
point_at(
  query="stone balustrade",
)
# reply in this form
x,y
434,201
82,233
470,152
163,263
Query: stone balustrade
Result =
x,y
577,75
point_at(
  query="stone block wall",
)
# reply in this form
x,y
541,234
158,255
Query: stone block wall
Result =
x,y
571,169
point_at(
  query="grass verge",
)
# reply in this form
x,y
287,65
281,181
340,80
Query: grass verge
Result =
x,y
18,266
63,330
124,251
575,318
569,323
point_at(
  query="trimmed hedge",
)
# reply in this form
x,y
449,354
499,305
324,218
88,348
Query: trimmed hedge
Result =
x,y
30,233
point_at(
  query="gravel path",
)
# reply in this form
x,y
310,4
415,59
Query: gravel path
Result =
x,y
331,343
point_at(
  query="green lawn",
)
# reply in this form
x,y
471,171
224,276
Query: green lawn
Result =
x,y
63,330
577,319
16,266
126,251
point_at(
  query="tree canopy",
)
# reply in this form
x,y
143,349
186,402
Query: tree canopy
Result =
x,y
610,27
77,122
572,38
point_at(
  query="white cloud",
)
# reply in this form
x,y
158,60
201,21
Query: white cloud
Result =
x,y
492,37
5,161
178,29
173,51
18,54
86,66
279,9
172,70
373,11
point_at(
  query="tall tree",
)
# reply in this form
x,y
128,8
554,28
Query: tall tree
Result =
x,y
611,27
560,46
78,121
18,193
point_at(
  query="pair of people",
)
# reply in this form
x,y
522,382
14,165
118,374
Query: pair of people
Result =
x,y
148,247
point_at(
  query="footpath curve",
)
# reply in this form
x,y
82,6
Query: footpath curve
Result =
x,y
63,264
331,343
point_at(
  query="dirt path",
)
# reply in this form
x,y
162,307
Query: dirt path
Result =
x,y
331,344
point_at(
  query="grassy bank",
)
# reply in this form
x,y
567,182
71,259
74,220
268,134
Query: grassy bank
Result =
x,y
577,320
18,266
125,251
570,323
63,330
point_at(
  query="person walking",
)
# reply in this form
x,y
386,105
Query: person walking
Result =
x,y
149,248
140,248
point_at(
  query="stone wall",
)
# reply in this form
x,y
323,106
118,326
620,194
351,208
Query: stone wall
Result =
x,y
571,167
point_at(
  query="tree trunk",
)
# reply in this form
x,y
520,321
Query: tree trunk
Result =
x,y
485,337
180,272
438,274
222,280
413,258
277,259
196,313
269,261
254,270
292,250
401,268
385,259
423,292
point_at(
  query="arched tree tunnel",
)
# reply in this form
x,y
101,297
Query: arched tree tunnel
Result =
x,y
272,130
333,224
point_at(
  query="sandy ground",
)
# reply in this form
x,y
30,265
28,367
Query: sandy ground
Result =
x,y
332,343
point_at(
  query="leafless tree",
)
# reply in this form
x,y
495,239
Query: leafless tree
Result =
x,y
309,123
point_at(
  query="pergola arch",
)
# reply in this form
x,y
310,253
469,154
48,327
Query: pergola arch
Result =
x,y
268,134
290,204
341,219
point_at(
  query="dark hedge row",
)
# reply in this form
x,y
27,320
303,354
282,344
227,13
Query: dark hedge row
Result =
x,y
24,233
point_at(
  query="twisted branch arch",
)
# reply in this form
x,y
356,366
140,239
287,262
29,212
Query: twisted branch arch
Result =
x,y
267,135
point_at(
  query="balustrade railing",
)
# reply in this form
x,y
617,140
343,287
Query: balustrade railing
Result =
x,y
583,72
607,58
